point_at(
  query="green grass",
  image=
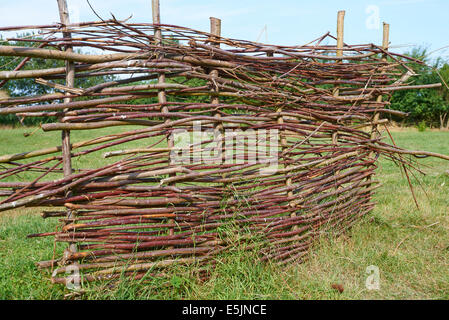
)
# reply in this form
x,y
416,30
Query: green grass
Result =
x,y
409,246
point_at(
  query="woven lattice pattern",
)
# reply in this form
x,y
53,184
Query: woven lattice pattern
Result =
x,y
288,148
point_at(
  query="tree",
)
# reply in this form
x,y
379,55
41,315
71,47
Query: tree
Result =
x,y
428,105
28,87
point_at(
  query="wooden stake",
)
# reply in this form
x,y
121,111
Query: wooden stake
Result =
x,y
215,29
339,53
162,97
70,82
374,128
158,40
385,44
340,31
284,145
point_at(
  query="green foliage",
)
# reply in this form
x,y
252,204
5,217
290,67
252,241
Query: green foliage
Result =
x,y
422,126
430,106
28,87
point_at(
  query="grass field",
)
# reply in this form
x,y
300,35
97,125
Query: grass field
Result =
x,y
409,246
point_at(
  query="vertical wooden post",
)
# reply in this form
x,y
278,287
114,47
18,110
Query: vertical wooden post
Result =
x,y
161,95
284,145
339,53
158,41
215,30
385,43
340,31
374,127
70,82
162,98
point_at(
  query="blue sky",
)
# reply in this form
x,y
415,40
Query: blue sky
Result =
x,y
413,22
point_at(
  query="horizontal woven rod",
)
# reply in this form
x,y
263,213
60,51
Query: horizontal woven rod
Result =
x,y
122,90
46,151
216,50
67,56
44,73
411,152
124,259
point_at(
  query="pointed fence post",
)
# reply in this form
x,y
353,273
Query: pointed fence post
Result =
x,y
339,53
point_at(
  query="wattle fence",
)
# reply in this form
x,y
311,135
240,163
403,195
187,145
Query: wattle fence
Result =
x,y
283,149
